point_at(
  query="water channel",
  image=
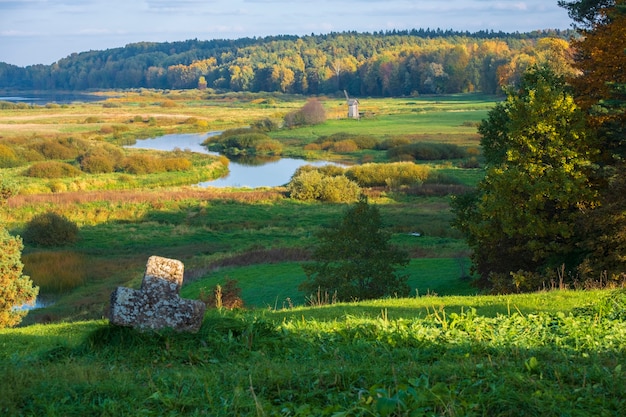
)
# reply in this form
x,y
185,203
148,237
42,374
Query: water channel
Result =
x,y
260,174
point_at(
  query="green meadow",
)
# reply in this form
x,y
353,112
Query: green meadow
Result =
x,y
446,350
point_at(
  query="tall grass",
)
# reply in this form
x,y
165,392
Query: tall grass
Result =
x,y
56,272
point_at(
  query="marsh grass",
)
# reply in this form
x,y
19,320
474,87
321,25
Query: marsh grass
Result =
x,y
56,271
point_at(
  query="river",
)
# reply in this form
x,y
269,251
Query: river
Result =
x,y
260,174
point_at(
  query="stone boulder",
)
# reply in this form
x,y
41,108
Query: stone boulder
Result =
x,y
157,304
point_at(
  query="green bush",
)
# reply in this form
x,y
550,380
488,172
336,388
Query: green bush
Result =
x,y
101,159
50,229
8,158
391,175
428,151
243,141
52,169
311,185
141,164
361,141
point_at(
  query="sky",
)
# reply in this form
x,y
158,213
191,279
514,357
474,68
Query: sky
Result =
x,y
44,31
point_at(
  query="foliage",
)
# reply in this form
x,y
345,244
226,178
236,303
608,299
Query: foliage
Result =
x,y
362,141
396,63
600,83
243,141
426,151
15,288
354,258
392,175
525,213
223,296
311,113
314,185
50,229
52,169
600,90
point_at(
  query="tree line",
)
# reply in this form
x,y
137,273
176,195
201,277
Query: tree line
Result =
x,y
393,63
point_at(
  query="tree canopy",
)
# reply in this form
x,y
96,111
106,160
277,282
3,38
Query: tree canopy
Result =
x,y
391,63
354,258
15,288
524,214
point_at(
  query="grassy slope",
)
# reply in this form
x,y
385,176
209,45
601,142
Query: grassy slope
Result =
x,y
511,356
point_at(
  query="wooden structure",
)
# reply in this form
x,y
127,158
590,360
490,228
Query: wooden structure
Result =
x,y
353,106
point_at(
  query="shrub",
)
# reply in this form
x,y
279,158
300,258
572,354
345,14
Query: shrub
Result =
x,y
50,229
176,164
52,169
311,113
95,164
428,151
8,158
243,141
141,164
101,159
57,149
347,145
392,175
226,296
361,141
310,185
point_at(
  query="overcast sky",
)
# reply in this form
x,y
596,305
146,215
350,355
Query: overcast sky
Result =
x,y
44,31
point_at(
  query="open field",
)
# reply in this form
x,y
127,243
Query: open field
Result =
x,y
123,219
443,351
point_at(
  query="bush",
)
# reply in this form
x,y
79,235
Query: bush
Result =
x,y
311,113
227,296
428,151
243,141
50,229
141,164
391,175
8,158
311,185
361,141
347,145
52,169
101,159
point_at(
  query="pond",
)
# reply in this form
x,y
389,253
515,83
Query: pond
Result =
x,y
252,174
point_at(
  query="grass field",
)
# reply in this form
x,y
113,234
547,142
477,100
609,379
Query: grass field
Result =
x,y
548,354
443,351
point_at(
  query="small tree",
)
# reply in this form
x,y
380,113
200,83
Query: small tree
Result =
x,y
15,288
355,259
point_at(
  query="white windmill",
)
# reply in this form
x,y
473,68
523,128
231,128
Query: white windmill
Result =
x,y
353,106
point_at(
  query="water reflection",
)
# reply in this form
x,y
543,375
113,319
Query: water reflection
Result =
x,y
245,171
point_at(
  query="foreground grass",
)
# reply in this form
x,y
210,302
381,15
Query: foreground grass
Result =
x,y
413,357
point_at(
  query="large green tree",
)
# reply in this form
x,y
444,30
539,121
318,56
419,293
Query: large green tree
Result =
x,y
354,258
15,288
524,213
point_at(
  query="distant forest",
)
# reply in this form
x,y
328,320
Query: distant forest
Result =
x,y
393,63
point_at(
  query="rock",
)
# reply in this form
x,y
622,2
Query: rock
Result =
x,y
157,304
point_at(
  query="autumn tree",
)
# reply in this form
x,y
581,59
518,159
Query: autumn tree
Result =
x,y
524,213
354,258
15,288
600,90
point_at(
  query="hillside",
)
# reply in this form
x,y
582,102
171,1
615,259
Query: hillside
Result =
x,y
379,64
547,354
